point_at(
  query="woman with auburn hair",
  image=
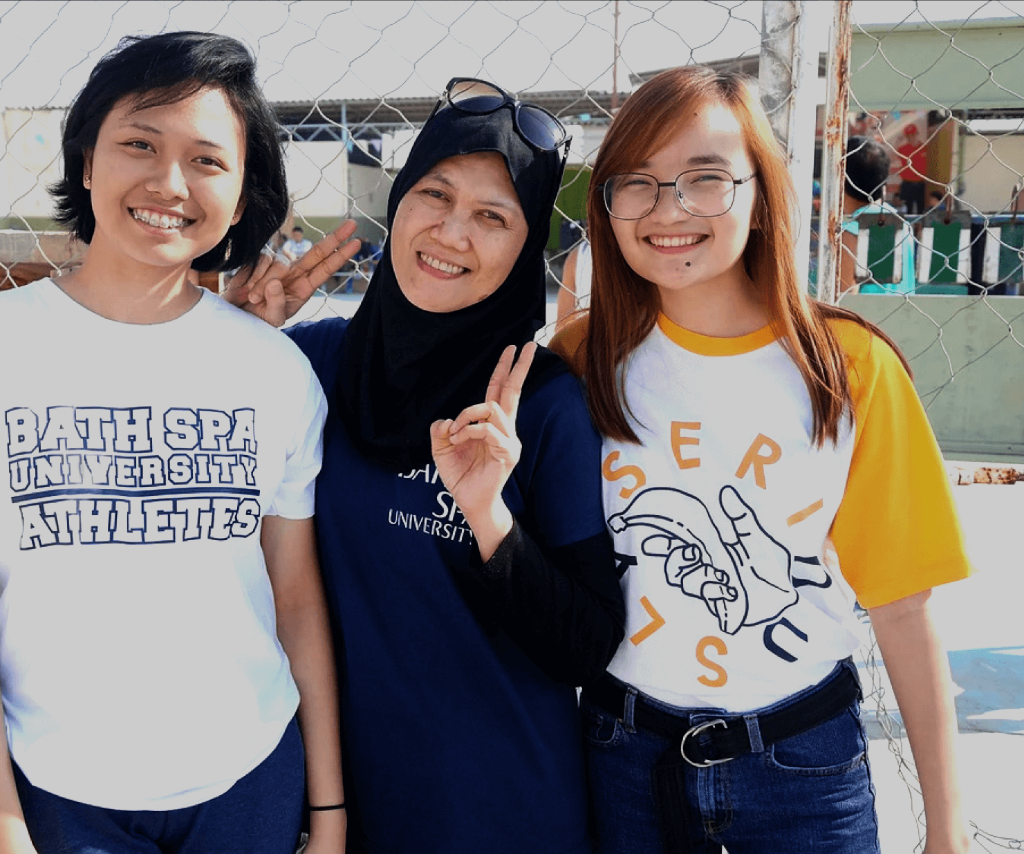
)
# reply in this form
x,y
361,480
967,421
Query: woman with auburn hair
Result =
x,y
765,459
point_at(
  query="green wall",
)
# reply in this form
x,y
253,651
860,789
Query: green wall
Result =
x,y
979,415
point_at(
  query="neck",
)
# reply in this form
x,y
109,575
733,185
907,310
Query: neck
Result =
x,y
715,310
132,296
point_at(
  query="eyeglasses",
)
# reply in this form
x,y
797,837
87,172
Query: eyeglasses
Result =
x,y
478,97
700,192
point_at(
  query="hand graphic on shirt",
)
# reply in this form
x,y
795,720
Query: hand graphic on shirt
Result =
x,y
744,581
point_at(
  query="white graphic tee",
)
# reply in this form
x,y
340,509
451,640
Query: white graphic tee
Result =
x,y
139,661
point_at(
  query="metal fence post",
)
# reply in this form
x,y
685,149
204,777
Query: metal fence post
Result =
x,y
787,75
833,151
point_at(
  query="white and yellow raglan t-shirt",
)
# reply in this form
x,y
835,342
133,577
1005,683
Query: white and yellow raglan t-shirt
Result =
x,y
741,544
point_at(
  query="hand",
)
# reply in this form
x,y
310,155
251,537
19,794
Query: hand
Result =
x,y
275,289
476,452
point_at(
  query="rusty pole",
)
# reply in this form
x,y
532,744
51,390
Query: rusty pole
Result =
x,y
833,151
615,63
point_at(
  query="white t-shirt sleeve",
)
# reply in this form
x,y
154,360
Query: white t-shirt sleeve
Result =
x,y
295,494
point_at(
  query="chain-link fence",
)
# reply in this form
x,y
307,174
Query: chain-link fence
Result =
x,y
932,250
352,82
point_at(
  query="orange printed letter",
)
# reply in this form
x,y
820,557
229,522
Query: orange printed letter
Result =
x,y
721,677
678,440
759,461
611,474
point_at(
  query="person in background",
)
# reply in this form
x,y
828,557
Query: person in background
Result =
x,y
574,293
867,170
163,613
764,453
468,569
937,202
913,171
297,245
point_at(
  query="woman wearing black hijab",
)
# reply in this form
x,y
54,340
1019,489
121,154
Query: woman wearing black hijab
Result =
x,y
459,638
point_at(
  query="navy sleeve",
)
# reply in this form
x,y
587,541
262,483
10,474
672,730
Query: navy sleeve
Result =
x,y
320,341
551,585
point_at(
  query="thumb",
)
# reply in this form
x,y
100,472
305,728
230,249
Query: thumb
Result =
x,y
274,302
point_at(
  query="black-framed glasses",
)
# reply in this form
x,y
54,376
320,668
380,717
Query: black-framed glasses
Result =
x,y
700,192
536,125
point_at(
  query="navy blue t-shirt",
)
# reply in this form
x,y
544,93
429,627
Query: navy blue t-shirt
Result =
x,y
455,740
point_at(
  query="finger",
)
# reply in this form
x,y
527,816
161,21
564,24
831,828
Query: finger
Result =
x,y
513,387
258,280
499,445
740,515
500,374
482,413
321,256
274,311
711,592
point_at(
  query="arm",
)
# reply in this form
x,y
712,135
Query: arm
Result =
x,y
14,838
848,262
919,671
562,606
566,303
302,625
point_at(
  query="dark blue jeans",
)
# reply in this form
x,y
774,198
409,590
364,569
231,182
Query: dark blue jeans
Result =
x,y
811,792
260,814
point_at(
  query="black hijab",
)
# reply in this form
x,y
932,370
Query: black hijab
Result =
x,y
403,368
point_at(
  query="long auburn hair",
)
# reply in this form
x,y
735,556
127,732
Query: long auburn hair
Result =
x,y
624,306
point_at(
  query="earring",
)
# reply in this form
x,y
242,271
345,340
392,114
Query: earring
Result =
x,y
87,180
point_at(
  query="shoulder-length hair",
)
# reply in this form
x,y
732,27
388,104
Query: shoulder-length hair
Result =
x,y
154,71
624,306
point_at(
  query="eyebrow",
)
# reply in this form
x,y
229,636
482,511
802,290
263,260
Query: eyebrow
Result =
x,y
205,143
698,160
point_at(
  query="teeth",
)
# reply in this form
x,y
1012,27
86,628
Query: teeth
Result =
x,y
678,240
443,266
159,220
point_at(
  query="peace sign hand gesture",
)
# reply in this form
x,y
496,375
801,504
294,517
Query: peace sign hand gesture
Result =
x,y
275,288
476,452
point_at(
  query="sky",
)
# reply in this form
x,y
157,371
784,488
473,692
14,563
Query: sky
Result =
x,y
327,49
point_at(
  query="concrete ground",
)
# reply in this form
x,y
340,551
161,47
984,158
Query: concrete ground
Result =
x,y
980,622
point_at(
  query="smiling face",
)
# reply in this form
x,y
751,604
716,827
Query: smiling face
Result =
x,y
686,256
165,182
457,233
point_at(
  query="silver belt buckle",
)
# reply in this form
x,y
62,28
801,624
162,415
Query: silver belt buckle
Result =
x,y
697,730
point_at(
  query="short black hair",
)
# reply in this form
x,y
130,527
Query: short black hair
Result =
x,y
298,228
867,169
163,69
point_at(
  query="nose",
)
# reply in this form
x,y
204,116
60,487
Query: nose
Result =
x,y
452,230
669,205
168,180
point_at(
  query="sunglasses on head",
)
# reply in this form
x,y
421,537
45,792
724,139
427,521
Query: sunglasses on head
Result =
x,y
478,97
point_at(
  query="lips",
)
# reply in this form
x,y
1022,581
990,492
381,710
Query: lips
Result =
x,y
442,266
676,240
159,220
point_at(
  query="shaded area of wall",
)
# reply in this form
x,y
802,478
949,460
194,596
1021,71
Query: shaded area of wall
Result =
x,y
968,360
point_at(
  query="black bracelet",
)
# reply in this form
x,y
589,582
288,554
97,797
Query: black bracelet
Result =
x,y
340,806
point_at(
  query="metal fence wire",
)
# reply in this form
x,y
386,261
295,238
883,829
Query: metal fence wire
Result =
x,y
934,92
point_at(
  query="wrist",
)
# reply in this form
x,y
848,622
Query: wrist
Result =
x,y
490,528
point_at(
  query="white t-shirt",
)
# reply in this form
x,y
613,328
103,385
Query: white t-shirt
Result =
x,y
139,661
297,248
739,540
584,272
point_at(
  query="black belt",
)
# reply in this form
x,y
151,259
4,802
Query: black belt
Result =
x,y
723,738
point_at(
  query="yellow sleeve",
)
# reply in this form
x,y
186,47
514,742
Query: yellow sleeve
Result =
x,y
896,531
569,344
